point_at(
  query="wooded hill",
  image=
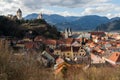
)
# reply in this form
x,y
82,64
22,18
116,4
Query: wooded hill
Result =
x,y
19,28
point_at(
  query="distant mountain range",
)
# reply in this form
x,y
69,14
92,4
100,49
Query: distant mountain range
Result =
x,y
110,26
89,22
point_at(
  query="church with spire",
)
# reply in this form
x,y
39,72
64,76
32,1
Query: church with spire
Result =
x,y
68,32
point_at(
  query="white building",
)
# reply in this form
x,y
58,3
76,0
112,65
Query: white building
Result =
x,y
19,14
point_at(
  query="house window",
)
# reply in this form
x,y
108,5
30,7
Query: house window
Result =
x,y
57,53
74,54
67,53
80,54
82,51
83,54
68,57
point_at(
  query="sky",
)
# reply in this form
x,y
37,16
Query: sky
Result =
x,y
108,8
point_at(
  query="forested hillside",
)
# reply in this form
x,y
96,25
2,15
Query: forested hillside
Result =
x,y
19,28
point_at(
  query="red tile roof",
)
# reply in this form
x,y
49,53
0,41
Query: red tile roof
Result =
x,y
60,42
50,42
97,33
39,38
80,39
115,57
68,41
92,44
118,45
29,45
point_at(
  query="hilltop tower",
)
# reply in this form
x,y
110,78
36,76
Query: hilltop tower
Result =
x,y
39,16
19,14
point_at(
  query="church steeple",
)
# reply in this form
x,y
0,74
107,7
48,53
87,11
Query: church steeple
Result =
x,y
68,32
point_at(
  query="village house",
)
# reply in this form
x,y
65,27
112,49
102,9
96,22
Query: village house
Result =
x,y
98,33
51,43
48,58
95,59
114,59
70,52
39,38
68,41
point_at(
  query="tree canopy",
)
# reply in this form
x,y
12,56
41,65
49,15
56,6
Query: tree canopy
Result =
x,y
19,28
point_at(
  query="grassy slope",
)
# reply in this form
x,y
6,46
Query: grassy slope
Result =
x,y
26,68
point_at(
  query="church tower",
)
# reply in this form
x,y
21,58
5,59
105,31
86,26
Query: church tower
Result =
x,y
66,33
69,32
19,14
39,16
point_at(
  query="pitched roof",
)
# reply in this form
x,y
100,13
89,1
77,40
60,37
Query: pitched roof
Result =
x,y
50,42
60,42
39,38
64,49
50,52
29,45
96,58
68,41
97,33
76,43
92,44
115,57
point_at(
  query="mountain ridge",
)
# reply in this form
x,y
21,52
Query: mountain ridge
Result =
x,y
77,23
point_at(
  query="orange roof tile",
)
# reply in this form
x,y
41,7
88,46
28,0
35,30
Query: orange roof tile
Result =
x,y
39,38
92,45
115,57
68,40
59,60
80,39
97,33
60,42
50,42
29,45
118,45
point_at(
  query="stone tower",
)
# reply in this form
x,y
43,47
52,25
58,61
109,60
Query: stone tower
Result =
x,y
39,16
19,14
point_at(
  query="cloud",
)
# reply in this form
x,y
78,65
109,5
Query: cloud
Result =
x,y
89,7
9,6
109,15
36,4
64,3
64,13
107,9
